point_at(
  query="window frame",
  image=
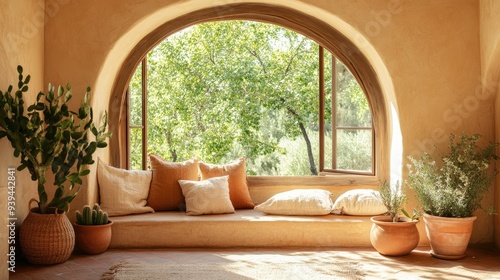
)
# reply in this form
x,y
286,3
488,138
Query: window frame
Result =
x,y
325,34
334,127
321,69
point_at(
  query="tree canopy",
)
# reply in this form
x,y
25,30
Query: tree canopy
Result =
x,y
224,89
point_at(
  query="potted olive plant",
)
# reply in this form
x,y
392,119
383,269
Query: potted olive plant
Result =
x,y
394,234
92,230
48,137
450,189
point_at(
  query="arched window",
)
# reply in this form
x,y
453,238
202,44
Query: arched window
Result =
x,y
333,41
221,89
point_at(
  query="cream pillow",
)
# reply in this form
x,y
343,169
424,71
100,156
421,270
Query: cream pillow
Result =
x,y
209,196
298,202
123,191
238,188
359,202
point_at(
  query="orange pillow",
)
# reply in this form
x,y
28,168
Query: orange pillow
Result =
x,y
238,189
165,192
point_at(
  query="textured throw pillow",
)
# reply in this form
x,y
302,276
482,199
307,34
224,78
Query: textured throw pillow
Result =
x,y
238,189
298,202
165,193
359,202
209,196
122,191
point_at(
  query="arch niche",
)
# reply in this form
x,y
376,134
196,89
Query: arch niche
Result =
x,y
308,25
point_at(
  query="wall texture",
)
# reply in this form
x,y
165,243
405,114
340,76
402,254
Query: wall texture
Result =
x,y
490,67
22,33
431,52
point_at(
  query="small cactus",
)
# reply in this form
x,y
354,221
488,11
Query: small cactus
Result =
x,y
92,216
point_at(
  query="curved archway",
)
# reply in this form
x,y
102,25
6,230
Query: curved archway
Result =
x,y
320,31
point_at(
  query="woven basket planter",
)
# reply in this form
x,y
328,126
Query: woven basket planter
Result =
x,y
46,238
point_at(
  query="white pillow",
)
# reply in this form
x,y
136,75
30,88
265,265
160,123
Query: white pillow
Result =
x,y
298,202
123,191
359,202
210,196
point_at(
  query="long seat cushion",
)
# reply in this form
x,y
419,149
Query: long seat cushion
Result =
x,y
245,228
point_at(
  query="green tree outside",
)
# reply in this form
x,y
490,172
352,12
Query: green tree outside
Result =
x,y
221,90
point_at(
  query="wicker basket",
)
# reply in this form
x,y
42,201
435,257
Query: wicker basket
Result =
x,y
46,238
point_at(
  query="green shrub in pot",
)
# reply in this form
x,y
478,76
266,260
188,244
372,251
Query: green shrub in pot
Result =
x,y
453,185
450,189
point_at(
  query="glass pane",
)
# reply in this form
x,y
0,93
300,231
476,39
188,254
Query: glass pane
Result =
x,y
136,148
354,150
295,161
135,88
252,92
328,164
328,148
352,105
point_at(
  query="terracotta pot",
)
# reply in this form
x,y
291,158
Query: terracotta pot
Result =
x,y
46,238
93,239
449,237
394,239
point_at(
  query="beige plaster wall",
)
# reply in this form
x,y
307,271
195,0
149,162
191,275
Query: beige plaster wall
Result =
x,y
430,50
490,66
22,33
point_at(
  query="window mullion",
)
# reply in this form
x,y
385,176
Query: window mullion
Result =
x,y
127,132
373,149
144,114
334,112
321,54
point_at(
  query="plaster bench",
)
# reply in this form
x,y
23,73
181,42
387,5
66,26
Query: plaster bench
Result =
x,y
245,228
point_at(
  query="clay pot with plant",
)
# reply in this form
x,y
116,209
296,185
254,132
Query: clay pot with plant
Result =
x,y
450,189
48,137
394,234
92,230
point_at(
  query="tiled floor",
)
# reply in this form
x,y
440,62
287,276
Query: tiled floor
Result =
x,y
480,263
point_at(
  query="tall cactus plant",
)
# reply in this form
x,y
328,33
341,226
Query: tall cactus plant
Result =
x,y
92,216
49,136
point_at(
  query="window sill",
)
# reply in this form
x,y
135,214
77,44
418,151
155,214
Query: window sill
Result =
x,y
262,188
314,181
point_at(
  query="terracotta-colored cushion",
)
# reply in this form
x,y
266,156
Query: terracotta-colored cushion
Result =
x,y
206,197
238,188
165,192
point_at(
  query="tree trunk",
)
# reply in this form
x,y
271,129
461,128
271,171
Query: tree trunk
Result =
x,y
171,149
312,165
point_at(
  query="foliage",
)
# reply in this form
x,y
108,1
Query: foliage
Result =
x,y
354,150
455,185
236,88
48,136
92,216
393,199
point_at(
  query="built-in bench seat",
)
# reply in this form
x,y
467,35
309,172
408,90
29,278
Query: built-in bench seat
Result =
x,y
248,227
245,228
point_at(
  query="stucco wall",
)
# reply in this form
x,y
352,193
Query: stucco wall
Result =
x,y
22,33
490,65
430,51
